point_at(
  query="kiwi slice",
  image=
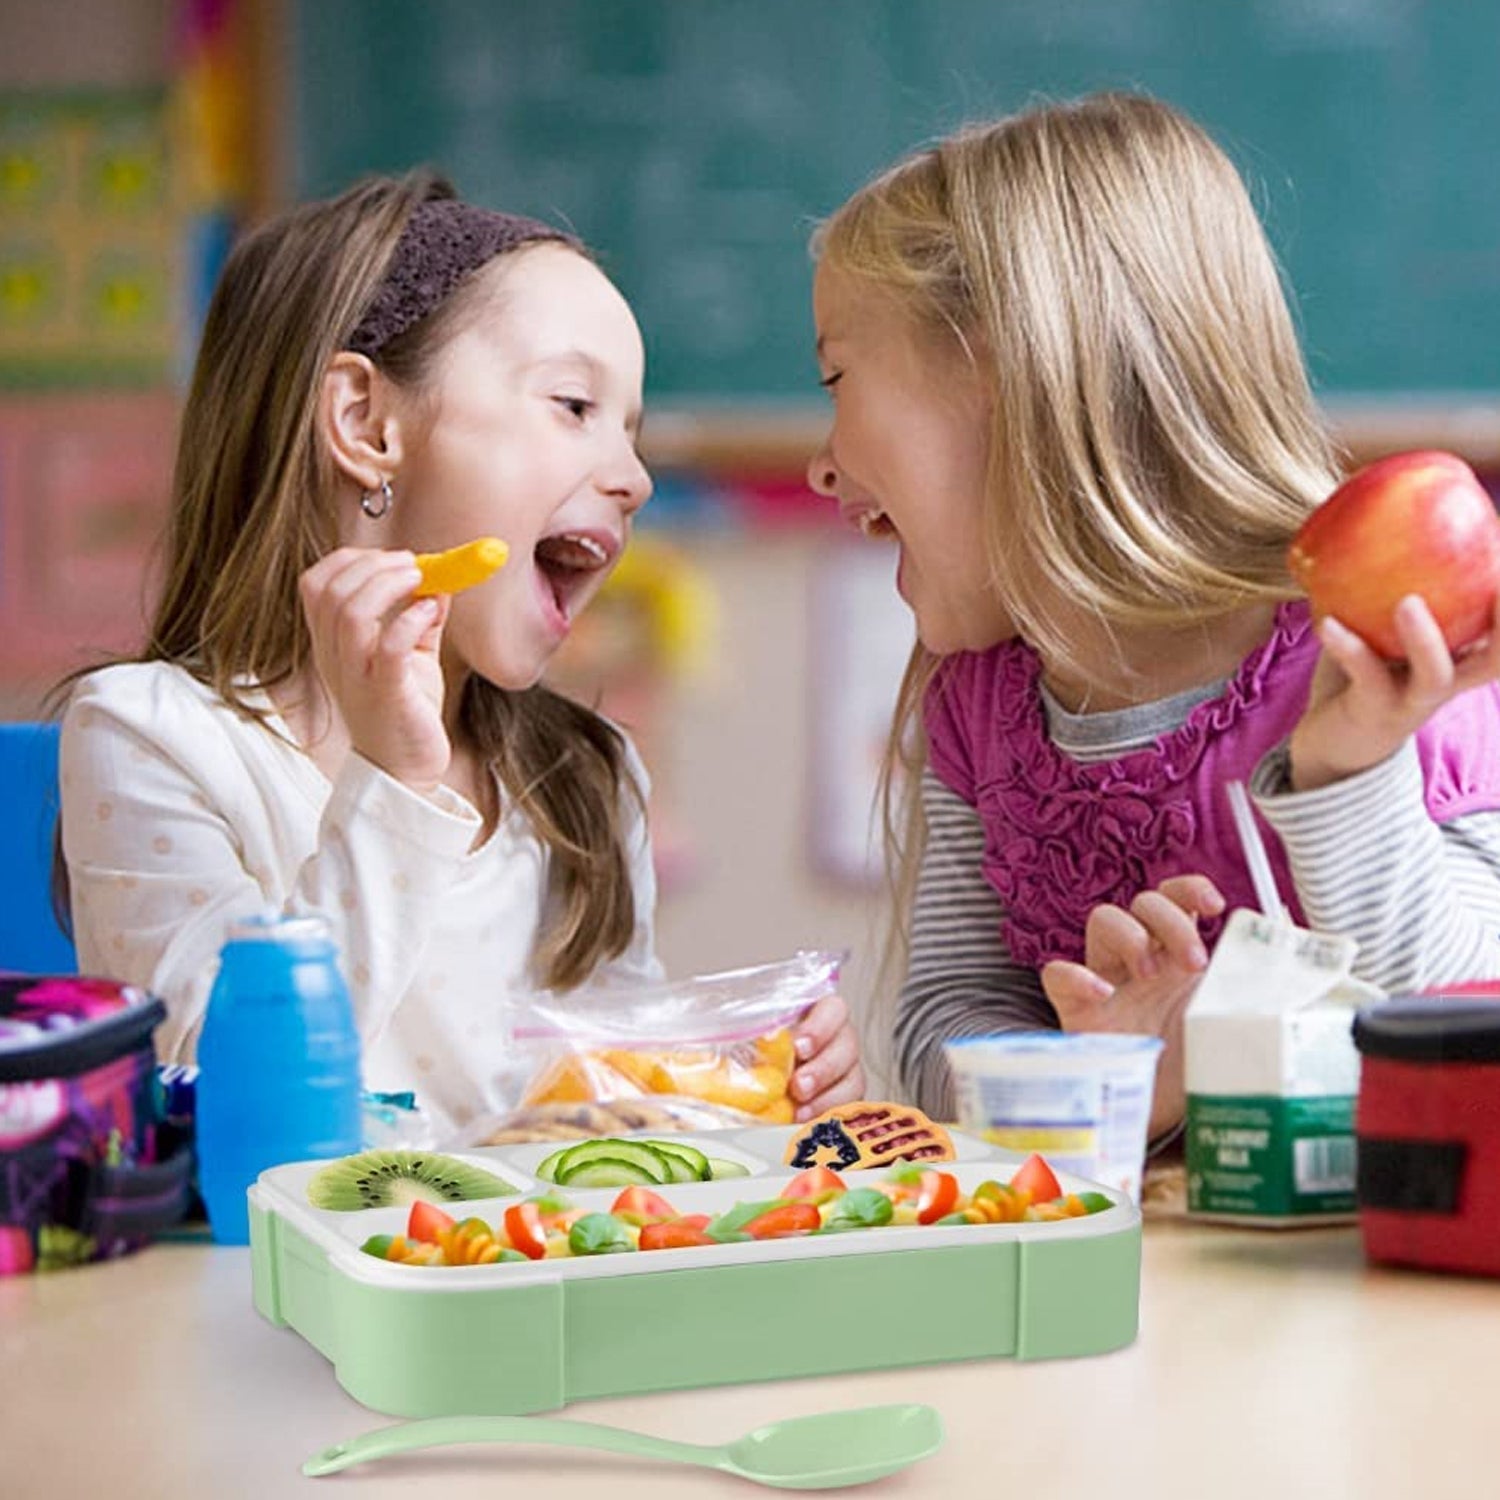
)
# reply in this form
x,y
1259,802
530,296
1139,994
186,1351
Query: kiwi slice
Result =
x,y
379,1179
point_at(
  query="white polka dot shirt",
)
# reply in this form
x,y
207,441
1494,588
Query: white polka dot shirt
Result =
x,y
181,816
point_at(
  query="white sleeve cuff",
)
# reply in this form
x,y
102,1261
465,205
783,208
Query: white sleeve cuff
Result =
x,y
443,824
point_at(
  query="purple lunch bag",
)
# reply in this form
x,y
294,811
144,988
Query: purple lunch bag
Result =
x,y
88,1167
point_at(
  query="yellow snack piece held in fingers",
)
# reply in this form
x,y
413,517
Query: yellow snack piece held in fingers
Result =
x,y
460,568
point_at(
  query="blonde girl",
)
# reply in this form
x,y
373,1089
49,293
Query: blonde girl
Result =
x,y
1066,382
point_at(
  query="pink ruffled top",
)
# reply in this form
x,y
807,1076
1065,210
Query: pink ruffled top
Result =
x,y
1063,836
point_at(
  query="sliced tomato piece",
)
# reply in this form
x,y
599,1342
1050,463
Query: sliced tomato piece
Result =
x,y
785,1219
525,1230
426,1220
695,1221
675,1234
643,1203
815,1182
1037,1180
938,1194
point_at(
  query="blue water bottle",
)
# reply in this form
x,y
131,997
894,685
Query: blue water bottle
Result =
x,y
278,1063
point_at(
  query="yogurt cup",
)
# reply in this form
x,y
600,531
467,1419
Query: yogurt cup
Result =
x,y
1082,1099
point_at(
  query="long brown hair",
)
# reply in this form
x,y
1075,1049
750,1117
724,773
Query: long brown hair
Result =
x,y
1153,442
251,511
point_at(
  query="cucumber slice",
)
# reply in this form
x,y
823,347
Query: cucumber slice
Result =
x,y
691,1157
546,1169
605,1171
652,1163
679,1169
718,1169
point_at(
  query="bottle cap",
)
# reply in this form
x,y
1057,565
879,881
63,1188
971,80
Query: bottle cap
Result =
x,y
273,926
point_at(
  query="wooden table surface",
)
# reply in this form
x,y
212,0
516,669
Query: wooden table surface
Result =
x,y
1269,1364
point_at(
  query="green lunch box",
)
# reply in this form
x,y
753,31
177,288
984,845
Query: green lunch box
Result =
x,y
422,1341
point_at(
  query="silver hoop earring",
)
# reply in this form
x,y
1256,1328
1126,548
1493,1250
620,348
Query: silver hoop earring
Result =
x,y
368,504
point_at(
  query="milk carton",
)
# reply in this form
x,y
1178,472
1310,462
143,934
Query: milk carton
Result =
x,y
1272,1074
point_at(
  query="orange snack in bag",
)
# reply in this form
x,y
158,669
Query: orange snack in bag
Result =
x,y
751,1077
703,1076
778,1051
577,1080
634,1067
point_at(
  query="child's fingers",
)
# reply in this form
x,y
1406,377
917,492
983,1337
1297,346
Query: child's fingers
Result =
x,y
334,576
1365,671
1116,943
826,1018
829,1070
825,1071
360,604
1481,663
430,637
1194,893
1328,679
388,574
1074,990
406,631
1171,928
329,597
843,1090
1428,660
315,579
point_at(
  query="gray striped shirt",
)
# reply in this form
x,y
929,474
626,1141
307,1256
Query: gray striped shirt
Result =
x,y
1422,899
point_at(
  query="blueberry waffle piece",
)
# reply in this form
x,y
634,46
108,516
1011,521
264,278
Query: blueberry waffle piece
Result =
x,y
868,1134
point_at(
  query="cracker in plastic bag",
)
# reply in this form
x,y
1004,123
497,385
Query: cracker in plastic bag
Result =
x,y
657,1115
724,1040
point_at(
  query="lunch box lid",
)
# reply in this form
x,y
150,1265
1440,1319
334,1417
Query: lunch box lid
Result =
x,y
1458,1025
58,1026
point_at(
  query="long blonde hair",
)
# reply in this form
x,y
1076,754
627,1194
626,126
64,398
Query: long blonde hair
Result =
x,y
1153,444
252,510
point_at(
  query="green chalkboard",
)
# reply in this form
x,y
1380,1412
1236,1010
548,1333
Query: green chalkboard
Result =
x,y
695,142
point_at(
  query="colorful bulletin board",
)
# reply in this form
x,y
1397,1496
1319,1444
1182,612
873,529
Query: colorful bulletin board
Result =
x,y
90,240
83,492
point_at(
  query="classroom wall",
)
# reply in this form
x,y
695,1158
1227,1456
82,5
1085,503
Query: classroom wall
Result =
x,y
734,745
738,753
82,43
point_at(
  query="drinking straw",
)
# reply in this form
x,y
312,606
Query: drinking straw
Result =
x,y
1255,853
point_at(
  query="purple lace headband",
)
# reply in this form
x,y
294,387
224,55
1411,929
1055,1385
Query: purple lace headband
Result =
x,y
444,241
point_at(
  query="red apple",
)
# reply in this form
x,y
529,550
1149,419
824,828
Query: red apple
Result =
x,y
1413,523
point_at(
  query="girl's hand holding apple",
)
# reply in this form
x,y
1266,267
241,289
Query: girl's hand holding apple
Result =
x,y
1402,567
1413,523
1362,709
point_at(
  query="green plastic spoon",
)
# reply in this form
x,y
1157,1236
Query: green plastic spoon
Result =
x,y
823,1451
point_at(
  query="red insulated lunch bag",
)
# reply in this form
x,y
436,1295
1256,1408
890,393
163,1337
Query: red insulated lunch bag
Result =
x,y
1428,1126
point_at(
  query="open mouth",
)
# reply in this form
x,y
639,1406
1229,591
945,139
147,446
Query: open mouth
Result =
x,y
569,562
